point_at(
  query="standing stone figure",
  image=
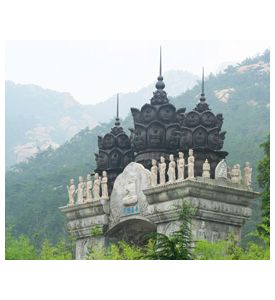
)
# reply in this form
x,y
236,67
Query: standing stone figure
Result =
x,y
96,188
236,174
162,169
80,190
206,169
154,173
181,164
172,169
201,234
191,163
89,186
247,171
71,192
104,185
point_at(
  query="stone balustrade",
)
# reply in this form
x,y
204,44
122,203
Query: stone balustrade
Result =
x,y
88,191
179,170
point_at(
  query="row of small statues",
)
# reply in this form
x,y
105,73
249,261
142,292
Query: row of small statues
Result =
x,y
160,169
236,175
90,190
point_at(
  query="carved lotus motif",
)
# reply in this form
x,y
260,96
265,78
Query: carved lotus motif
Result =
x,y
108,141
115,159
123,141
199,137
213,139
192,119
148,113
156,134
172,137
167,112
185,138
208,119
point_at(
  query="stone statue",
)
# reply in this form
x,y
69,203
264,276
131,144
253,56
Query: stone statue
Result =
x,y
80,190
181,165
162,169
154,173
191,163
71,192
201,235
104,185
89,186
131,194
221,170
236,174
206,169
247,171
96,188
171,169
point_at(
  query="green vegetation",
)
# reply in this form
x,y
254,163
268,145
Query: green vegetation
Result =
x,y
228,250
35,190
264,182
21,248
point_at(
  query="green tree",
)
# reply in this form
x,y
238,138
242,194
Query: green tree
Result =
x,y
264,182
178,244
19,248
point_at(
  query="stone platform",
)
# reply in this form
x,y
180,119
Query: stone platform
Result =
x,y
135,208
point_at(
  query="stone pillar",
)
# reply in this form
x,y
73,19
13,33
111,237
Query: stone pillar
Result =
x,y
87,222
222,207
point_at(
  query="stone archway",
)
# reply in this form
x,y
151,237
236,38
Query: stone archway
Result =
x,y
132,229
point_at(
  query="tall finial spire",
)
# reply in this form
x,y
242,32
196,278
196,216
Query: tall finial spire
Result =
x,y
160,63
117,123
202,98
160,84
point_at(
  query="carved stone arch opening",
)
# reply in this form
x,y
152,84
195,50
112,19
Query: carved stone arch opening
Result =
x,y
108,141
102,160
156,135
199,137
134,229
192,119
185,139
115,159
167,113
123,141
139,138
172,137
208,119
148,113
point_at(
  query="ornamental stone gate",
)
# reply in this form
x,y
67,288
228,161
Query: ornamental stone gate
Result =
x,y
135,208
170,156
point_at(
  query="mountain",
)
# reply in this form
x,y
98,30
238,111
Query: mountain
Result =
x,y
35,189
37,118
176,83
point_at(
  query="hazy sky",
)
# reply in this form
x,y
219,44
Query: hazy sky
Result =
x,y
92,71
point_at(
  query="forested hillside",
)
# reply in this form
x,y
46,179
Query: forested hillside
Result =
x,y
35,190
38,117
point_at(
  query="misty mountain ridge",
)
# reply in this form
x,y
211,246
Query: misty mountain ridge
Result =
x,y
37,118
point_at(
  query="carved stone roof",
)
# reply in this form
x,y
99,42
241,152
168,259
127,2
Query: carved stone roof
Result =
x,y
160,128
114,149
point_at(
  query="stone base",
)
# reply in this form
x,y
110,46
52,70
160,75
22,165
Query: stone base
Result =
x,y
222,207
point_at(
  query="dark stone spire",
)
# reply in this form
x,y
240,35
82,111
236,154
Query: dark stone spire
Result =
x,y
160,96
202,98
117,123
202,105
